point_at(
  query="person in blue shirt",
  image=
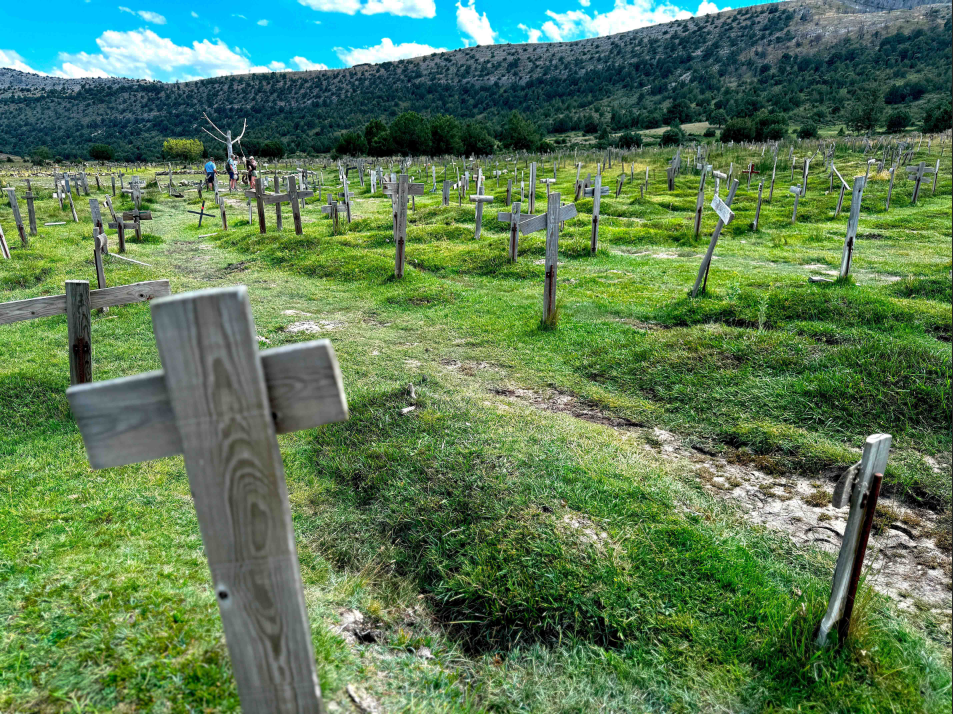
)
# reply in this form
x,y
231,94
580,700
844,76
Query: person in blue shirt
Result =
x,y
210,173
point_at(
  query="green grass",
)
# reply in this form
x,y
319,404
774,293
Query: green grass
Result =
x,y
550,564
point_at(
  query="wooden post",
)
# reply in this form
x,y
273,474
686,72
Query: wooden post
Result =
x,y
478,217
400,192
549,221
936,175
79,334
700,203
597,193
278,224
513,217
112,178
796,190
12,196
807,165
532,187
509,192
757,210
31,210
259,195
224,216
99,247
222,404
774,172
446,194
4,248
852,222
670,174
117,224
856,488
893,171
723,208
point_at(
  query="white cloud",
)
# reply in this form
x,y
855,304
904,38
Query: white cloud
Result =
x,y
386,51
194,14
625,15
147,15
401,8
531,34
303,63
12,59
143,53
263,23
348,7
473,25
585,3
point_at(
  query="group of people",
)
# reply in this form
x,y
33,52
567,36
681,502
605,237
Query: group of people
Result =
x,y
231,166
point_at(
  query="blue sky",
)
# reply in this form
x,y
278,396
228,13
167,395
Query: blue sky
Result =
x,y
182,41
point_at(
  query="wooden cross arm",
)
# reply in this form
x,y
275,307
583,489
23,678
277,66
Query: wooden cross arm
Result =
x,y
33,308
116,225
538,223
127,420
133,215
592,191
270,198
305,194
251,194
481,199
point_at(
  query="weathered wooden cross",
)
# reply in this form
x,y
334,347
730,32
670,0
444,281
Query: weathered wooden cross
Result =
x,y
749,171
478,219
916,173
12,196
757,210
221,403
136,216
513,217
725,215
331,210
597,192
400,192
796,190
549,221
859,486
201,213
77,304
852,222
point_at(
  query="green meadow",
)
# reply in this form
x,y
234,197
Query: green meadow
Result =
x,y
506,556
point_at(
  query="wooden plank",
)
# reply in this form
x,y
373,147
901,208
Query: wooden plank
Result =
x,y
852,223
32,308
706,261
127,420
79,332
238,486
873,461
552,256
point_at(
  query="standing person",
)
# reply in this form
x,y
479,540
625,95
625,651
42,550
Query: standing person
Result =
x,y
210,173
232,167
251,166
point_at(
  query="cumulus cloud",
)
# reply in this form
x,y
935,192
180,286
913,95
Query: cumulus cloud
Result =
x,y
13,60
476,27
401,8
625,15
263,23
303,63
147,15
532,35
143,53
386,51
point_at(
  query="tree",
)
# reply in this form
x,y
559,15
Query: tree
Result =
x,y
898,120
630,141
718,118
603,139
351,143
865,111
40,155
519,133
738,130
591,124
410,134
770,126
273,149
477,140
101,152
679,111
187,150
562,125
938,117
808,130
673,136
445,135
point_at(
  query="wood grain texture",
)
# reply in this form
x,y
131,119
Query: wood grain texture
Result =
x,y
208,347
32,308
873,460
852,223
706,261
127,420
79,332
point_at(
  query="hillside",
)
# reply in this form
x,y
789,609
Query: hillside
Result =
x,y
804,58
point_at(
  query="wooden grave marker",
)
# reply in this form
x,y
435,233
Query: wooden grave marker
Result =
x,y
15,206
852,222
400,192
221,403
725,215
597,192
550,221
479,200
513,217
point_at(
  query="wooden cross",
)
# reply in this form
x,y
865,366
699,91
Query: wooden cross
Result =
x,y
331,209
804,176
12,196
30,208
117,224
221,403
700,202
852,221
749,171
513,217
446,193
725,215
916,173
549,221
859,486
893,172
532,187
549,182
136,216
844,186
757,210
478,220
77,304
200,213
259,195
597,192
796,190
400,192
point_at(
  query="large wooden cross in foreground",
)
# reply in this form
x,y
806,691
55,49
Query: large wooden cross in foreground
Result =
x,y
400,192
221,403
549,221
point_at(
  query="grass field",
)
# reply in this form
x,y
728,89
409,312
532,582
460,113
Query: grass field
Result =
x,y
520,541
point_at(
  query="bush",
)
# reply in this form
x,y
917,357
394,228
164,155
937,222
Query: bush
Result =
x,y
101,152
187,150
808,130
519,133
630,141
351,143
410,134
738,130
673,136
898,120
938,117
273,149
710,131
477,140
